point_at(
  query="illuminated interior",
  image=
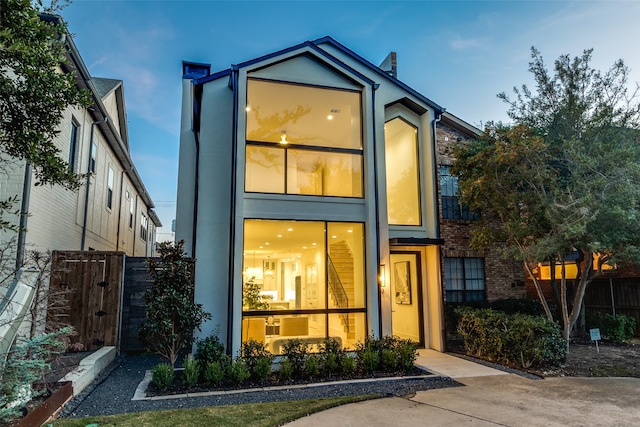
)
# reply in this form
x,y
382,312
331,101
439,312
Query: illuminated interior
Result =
x,y
403,181
309,277
303,140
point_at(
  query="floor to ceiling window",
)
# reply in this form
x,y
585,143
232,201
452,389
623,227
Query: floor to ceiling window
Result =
x,y
303,279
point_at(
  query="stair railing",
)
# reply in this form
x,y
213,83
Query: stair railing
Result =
x,y
338,291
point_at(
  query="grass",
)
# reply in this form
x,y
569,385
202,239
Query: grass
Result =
x,y
255,414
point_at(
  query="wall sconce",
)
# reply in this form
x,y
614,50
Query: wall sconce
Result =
x,y
381,278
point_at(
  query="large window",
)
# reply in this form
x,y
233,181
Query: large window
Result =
x,y
144,227
464,279
303,140
303,279
451,207
403,179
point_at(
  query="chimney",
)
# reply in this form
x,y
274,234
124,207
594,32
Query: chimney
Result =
x,y
390,65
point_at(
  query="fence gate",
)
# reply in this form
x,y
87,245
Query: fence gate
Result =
x,y
94,282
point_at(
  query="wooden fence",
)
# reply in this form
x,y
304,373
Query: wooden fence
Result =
x,y
94,282
615,295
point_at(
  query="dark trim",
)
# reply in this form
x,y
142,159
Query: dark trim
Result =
x,y
214,76
409,104
263,313
378,71
357,151
197,94
436,177
419,284
24,216
233,80
376,197
415,241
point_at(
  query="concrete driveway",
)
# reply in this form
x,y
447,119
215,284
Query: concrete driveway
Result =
x,y
502,400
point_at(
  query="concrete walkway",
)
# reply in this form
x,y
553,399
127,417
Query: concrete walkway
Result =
x,y
493,398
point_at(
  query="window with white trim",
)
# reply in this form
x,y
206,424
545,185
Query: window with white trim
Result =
x,y
110,180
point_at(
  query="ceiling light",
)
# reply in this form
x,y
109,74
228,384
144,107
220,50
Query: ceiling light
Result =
x,y
333,237
289,229
349,231
248,108
283,137
279,235
329,117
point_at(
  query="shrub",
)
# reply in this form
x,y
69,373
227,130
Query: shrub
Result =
x,y
518,305
286,370
331,355
191,372
388,360
214,373
407,353
162,375
516,339
256,354
312,366
296,352
209,350
619,328
369,361
238,371
348,365
367,353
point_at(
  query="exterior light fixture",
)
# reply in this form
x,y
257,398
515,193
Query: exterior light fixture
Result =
x,y
283,137
381,276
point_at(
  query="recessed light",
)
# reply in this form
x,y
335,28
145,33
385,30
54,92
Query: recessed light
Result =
x,y
330,117
349,231
248,108
289,229
314,244
279,235
304,247
333,237
266,243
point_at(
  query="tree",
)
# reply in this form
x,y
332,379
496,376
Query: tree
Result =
x,y
34,93
172,316
564,179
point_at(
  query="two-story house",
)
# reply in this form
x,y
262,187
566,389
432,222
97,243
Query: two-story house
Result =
x,y
112,211
309,175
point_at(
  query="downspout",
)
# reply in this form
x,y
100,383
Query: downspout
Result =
x,y
86,193
24,215
438,117
232,210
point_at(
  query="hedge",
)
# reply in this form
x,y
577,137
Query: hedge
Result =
x,y
515,339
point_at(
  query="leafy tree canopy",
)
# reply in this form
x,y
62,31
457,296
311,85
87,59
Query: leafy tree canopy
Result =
x,y
565,177
34,93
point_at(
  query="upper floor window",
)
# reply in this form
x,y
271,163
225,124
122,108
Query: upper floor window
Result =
x,y
144,224
451,207
131,210
73,146
303,140
92,161
464,279
403,178
110,178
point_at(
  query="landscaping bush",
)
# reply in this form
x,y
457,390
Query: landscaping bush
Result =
x,y
162,375
214,373
237,372
191,373
407,353
312,366
296,352
388,360
618,328
257,358
518,305
286,370
348,364
516,339
331,355
209,349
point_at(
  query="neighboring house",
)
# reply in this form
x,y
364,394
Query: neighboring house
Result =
x,y
112,211
469,275
310,174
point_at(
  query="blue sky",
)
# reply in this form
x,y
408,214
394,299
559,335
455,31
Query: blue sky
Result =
x,y
460,54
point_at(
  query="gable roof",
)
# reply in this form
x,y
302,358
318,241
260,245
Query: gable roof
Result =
x,y
105,86
316,47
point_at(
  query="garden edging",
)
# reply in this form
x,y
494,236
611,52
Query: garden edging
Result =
x,y
140,393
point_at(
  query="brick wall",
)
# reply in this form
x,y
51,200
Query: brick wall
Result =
x,y
503,278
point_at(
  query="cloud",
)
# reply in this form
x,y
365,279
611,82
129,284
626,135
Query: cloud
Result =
x,y
458,43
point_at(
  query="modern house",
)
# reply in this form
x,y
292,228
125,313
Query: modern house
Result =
x,y
308,177
112,211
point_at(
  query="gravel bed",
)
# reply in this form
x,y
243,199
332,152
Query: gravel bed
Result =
x,y
112,391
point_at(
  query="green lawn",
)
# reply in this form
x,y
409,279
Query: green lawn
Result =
x,y
256,414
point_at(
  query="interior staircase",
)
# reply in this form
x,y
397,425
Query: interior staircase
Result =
x,y
342,291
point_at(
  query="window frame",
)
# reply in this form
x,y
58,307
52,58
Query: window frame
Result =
x,y
144,227
465,280
450,205
73,145
303,147
110,185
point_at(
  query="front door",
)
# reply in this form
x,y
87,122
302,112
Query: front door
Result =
x,y
406,297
